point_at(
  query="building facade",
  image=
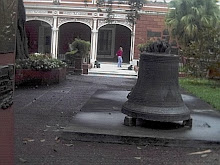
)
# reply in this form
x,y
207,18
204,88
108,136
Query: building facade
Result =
x,y
51,25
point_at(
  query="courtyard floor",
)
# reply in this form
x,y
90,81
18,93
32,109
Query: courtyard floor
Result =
x,y
42,112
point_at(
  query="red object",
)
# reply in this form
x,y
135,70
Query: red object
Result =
x,y
6,136
45,77
119,52
7,123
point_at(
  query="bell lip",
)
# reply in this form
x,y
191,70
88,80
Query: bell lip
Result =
x,y
153,113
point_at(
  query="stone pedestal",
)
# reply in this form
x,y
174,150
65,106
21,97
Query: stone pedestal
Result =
x,y
78,66
85,68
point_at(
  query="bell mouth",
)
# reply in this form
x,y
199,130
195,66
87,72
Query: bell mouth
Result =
x,y
156,94
162,114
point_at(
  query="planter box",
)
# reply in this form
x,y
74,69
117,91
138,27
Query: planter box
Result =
x,y
89,66
85,68
136,68
40,77
78,66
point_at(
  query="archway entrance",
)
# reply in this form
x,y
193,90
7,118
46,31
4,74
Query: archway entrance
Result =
x,y
69,31
39,36
110,38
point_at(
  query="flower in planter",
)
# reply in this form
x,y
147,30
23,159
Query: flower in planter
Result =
x,y
39,62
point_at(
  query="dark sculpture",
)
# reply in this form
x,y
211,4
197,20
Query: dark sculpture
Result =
x,y
156,95
97,64
130,67
21,38
159,46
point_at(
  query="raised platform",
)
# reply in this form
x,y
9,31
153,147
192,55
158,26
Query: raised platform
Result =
x,y
100,120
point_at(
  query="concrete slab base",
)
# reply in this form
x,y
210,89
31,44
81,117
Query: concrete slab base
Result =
x,y
100,120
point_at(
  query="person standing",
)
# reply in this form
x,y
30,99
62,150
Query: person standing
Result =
x,y
119,54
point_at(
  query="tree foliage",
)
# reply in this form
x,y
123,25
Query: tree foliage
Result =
x,y
79,48
188,17
132,14
195,24
135,6
203,55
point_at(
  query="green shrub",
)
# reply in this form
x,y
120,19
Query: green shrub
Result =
x,y
144,46
204,54
79,48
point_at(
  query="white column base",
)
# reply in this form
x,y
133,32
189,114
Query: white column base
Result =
x,y
134,62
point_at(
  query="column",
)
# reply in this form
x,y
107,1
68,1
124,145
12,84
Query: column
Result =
x,y
94,41
54,38
56,42
132,61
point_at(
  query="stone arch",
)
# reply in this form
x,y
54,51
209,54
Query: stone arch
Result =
x,y
87,22
69,31
102,23
39,35
110,38
48,20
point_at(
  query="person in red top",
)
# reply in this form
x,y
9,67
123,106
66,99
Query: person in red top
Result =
x,y
119,54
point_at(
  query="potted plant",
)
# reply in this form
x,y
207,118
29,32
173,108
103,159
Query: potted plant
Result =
x,y
79,52
70,60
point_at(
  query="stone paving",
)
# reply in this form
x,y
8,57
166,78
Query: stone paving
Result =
x,y
100,119
42,112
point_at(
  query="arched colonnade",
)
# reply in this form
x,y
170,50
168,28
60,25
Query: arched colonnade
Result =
x,y
119,32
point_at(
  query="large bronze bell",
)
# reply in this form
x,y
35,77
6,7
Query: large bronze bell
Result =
x,y
156,95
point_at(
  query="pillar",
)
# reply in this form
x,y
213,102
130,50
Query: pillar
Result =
x,y
94,41
94,44
132,61
54,38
